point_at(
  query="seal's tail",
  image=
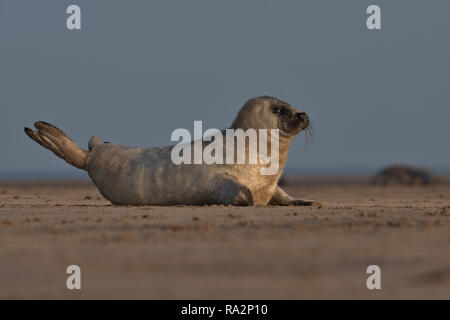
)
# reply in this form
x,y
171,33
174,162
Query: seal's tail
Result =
x,y
59,143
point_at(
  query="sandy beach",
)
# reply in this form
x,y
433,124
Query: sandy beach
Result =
x,y
219,252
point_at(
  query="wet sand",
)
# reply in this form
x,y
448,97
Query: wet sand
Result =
x,y
219,252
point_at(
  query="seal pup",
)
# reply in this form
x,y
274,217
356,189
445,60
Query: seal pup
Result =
x,y
148,176
404,175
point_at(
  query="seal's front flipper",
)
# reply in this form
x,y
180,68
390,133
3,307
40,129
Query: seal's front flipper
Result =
x,y
59,143
231,192
281,198
301,202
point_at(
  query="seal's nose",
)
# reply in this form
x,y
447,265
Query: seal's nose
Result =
x,y
301,116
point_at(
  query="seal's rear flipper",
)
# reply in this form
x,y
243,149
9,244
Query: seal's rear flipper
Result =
x,y
95,141
59,143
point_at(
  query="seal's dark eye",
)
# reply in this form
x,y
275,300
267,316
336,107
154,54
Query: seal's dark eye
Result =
x,y
276,110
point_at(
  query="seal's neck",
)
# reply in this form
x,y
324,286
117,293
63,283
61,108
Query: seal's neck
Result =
x,y
284,144
269,145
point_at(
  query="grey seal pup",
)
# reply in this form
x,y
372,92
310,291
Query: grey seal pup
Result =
x,y
404,175
148,176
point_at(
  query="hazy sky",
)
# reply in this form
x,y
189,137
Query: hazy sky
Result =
x,y
139,69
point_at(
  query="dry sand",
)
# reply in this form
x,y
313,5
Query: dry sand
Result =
x,y
215,252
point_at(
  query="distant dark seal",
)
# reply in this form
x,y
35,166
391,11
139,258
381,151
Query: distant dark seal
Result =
x,y
147,176
403,175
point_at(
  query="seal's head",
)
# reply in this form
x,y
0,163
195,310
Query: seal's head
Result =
x,y
271,113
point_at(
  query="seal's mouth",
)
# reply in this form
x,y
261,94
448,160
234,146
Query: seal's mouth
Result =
x,y
293,123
